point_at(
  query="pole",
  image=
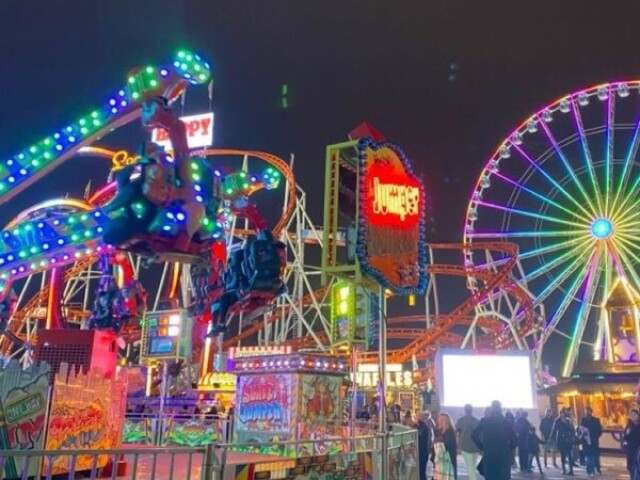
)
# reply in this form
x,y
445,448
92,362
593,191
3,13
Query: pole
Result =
x,y
354,390
382,382
163,392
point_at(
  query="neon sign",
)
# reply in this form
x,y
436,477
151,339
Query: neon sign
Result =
x,y
122,159
393,199
391,245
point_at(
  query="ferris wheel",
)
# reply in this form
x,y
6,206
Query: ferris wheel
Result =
x,y
564,186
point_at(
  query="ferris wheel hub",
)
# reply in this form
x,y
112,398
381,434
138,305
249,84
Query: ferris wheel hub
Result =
x,y
602,228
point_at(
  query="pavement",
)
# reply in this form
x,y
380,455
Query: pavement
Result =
x,y
613,468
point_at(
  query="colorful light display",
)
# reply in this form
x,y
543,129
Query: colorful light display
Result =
x,y
564,186
391,244
22,169
166,335
350,314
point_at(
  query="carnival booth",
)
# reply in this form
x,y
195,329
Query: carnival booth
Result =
x,y
287,397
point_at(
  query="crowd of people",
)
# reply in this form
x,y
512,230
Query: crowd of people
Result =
x,y
498,442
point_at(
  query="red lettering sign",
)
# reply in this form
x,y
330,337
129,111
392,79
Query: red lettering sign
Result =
x,y
390,247
199,131
393,199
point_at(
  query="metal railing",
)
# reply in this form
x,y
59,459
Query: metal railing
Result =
x,y
357,457
141,463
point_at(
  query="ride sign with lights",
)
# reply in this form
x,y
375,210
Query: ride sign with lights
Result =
x,y
391,244
199,132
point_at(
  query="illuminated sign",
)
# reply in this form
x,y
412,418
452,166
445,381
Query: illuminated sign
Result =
x,y
122,159
258,351
218,381
350,314
166,335
368,376
393,199
390,245
199,132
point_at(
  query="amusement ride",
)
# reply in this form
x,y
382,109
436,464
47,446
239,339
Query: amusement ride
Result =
x,y
531,273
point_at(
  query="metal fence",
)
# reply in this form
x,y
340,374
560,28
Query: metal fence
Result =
x,y
141,464
357,457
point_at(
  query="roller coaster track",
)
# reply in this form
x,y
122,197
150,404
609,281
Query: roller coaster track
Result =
x,y
17,320
444,323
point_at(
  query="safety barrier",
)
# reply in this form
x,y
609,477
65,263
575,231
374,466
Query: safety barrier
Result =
x,y
135,463
357,458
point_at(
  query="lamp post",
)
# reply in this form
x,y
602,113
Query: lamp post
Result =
x,y
382,381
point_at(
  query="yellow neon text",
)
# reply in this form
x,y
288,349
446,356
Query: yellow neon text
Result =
x,y
392,199
122,159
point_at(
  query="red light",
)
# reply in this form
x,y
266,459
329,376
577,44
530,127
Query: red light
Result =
x,y
393,198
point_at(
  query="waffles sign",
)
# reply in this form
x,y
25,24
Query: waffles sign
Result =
x,y
391,245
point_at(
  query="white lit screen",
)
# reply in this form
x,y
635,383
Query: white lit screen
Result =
x,y
481,379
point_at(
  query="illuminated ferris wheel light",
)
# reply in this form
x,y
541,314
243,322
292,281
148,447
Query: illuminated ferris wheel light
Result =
x,y
602,228
567,194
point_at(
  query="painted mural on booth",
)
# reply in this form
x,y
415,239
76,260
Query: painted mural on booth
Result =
x,y
23,409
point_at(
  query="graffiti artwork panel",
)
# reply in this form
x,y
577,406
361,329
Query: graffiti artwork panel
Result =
x,y
23,409
263,414
87,412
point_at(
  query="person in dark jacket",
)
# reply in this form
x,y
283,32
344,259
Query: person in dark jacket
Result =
x,y
495,437
508,415
522,427
594,426
632,441
425,443
546,426
564,435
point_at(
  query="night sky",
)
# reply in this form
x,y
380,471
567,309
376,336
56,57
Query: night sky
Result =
x,y
446,79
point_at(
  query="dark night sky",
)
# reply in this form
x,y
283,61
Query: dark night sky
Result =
x,y
344,61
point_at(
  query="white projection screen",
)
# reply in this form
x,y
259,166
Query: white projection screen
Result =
x,y
478,378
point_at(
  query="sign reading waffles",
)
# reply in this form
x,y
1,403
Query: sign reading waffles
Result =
x,y
199,132
391,244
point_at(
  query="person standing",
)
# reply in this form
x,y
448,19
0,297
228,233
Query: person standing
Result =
x,y
495,438
632,441
445,449
425,441
523,427
594,426
512,421
584,438
564,435
546,426
470,451
534,449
